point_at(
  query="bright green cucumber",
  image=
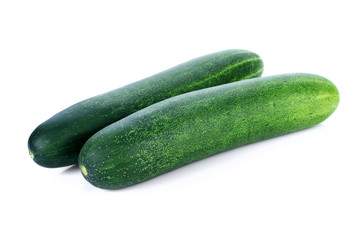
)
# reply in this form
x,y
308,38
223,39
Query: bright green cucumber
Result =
x,y
57,141
195,125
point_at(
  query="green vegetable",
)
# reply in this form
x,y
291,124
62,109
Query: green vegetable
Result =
x,y
196,125
57,141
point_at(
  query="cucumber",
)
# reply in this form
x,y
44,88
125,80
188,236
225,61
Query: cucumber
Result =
x,y
192,126
57,141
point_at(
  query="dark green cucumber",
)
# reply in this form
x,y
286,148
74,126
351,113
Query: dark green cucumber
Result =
x,y
57,141
195,125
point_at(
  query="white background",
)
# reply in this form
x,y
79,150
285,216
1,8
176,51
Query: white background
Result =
x,y
305,185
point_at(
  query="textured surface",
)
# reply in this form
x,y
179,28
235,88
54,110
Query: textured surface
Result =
x,y
193,126
57,141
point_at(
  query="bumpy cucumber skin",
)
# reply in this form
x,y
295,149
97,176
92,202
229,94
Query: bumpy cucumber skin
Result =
x,y
195,125
57,141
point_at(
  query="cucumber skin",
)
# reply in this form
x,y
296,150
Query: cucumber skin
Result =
x,y
57,141
196,125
